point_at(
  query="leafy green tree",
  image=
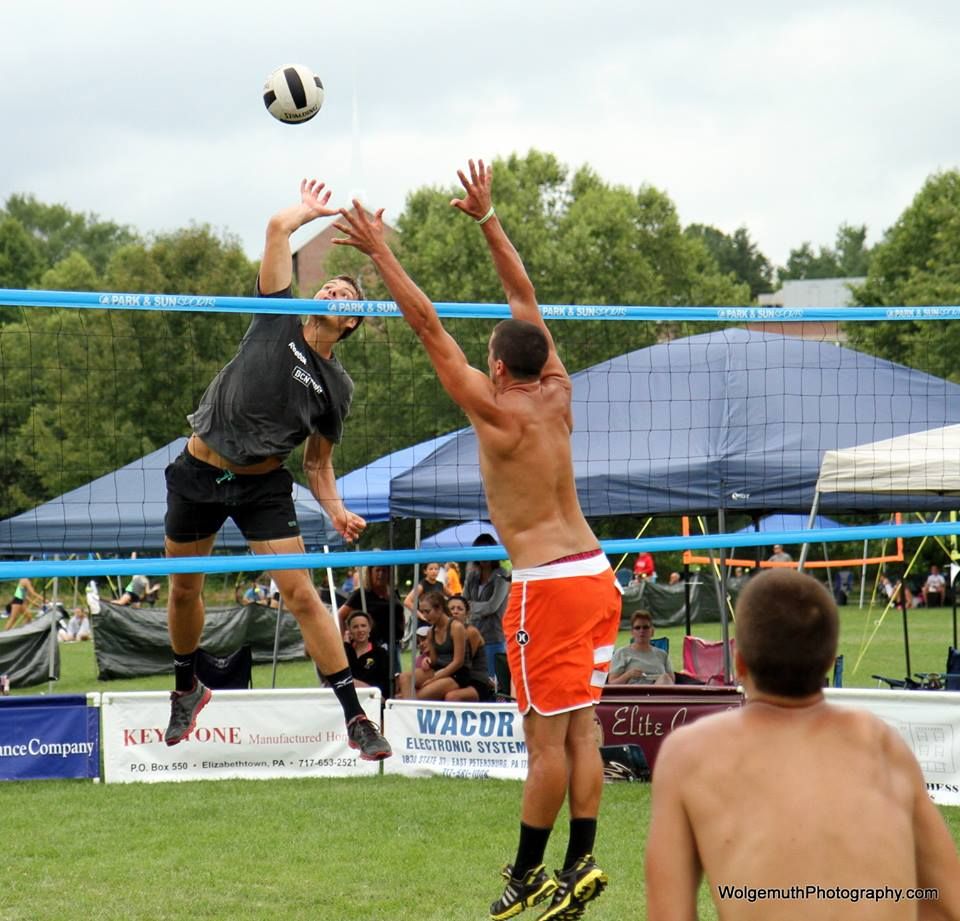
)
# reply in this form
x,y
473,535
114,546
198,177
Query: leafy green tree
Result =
x,y
736,255
917,264
850,258
59,231
20,260
85,391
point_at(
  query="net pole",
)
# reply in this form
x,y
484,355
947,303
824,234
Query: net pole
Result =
x,y
722,600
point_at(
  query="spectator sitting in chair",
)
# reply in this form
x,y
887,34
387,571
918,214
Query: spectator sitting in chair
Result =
x,y
641,662
935,589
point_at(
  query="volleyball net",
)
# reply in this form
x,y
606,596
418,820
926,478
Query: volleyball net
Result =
x,y
726,414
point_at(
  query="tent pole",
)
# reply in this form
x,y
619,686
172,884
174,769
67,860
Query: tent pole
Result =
x,y
902,602
813,517
863,575
276,643
52,663
392,639
413,633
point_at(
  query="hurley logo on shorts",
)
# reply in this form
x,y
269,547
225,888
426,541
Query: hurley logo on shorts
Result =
x,y
522,637
300,356
307,380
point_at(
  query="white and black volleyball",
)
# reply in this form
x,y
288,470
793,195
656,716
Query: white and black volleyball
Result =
x,y
293,94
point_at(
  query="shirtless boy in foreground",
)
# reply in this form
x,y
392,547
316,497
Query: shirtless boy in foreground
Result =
x,y
564,609
790,792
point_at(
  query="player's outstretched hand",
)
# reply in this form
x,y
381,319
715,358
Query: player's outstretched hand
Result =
x,y
362,232
477,201
349,525
315,199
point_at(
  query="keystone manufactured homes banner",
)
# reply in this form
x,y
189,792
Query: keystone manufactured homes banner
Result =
x,y
240,734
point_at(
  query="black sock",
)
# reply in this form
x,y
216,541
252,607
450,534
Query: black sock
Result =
x,y
583,832
530,851
184,670
346,691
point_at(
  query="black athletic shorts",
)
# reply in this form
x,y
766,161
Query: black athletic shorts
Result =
x,y
201,497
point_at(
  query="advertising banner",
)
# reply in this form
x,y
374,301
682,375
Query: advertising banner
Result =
x,y
51,737
928,721
634,719
240,734
455,740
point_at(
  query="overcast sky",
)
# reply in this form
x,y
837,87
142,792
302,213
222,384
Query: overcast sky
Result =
x,y
787,118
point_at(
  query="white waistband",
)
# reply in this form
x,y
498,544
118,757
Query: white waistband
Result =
x,y
589,566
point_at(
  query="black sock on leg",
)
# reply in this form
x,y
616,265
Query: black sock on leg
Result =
x,y
342,684
184,670
530,851
583,833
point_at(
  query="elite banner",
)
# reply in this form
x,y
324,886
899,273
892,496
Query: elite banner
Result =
x,y
239,734
53,737
455,740
928,721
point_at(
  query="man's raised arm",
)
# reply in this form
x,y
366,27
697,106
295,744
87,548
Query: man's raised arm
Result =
x,y
276,268
466,385
478,204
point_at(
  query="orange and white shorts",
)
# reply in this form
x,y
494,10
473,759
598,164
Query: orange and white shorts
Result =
x,y
561,625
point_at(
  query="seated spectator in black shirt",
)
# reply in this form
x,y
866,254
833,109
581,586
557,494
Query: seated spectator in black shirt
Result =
x,y
369,663
373,596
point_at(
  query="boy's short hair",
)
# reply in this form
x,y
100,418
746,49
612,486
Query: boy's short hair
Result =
x,y
355,614
787,630
522,346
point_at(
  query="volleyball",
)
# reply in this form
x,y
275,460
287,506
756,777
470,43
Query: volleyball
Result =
x,y
293,94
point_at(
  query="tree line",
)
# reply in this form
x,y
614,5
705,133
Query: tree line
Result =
x,y
85,391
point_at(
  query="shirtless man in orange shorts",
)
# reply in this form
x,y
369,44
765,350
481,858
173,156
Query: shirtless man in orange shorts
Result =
x,y
564,609
794,808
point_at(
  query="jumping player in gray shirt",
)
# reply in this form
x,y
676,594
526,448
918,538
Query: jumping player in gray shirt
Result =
x,y
284,387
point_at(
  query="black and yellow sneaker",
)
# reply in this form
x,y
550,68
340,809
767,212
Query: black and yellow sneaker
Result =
x,y
581,884
534,887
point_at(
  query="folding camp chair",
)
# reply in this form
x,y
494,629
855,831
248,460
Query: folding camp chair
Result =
x,y
947,680
703,660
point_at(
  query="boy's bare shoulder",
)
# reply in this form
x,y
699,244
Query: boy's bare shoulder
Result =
x,y
687,743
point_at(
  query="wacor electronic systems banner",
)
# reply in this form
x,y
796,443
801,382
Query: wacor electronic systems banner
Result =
x,y
455,740
239,734
928,721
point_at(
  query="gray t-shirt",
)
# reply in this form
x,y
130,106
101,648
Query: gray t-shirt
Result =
x,y
653,662
274,393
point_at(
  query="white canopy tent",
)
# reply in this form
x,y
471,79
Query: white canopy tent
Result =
x,y
916,463
919,462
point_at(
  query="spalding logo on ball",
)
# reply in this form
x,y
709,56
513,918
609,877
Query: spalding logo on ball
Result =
x,y
293,94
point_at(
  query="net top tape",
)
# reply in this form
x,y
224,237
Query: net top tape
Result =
x,y
202,303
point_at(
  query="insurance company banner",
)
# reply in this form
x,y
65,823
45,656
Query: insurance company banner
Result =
x,y
928,721
239,734
49,737
455,740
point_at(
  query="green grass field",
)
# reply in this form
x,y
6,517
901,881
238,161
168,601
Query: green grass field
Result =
x,y
344,850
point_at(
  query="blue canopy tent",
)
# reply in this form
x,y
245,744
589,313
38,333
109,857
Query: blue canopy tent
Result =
x,y
123,511
788,523
733,420
459,535
366,490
